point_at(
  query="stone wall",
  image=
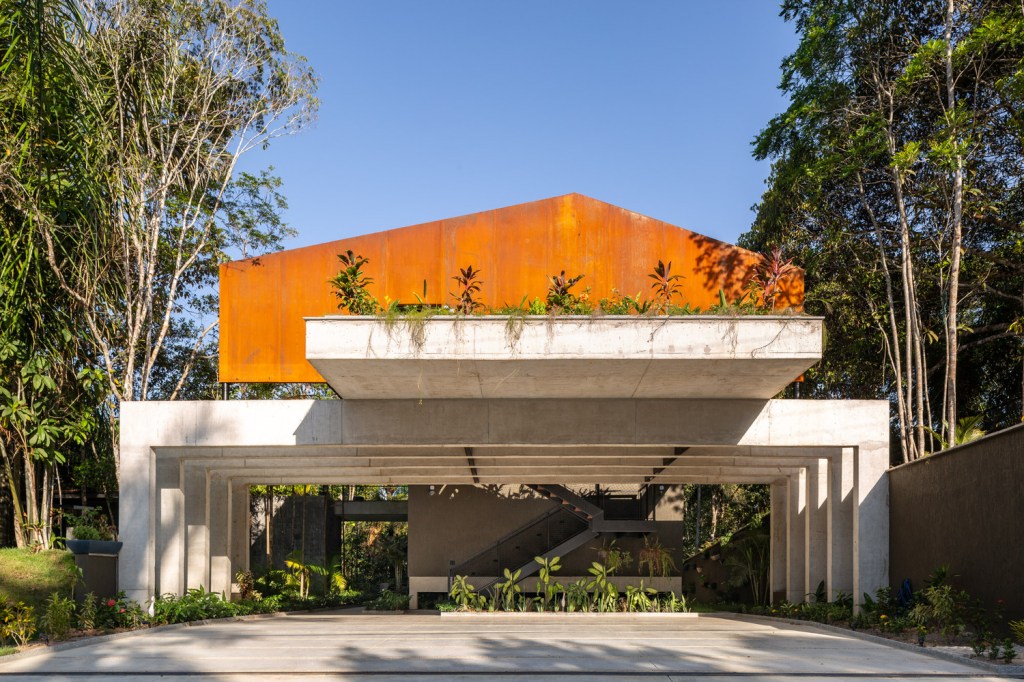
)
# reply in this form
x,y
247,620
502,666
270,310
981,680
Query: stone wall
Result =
x,y
300,522
963,508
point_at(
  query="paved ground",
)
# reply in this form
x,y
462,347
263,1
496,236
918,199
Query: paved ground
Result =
x,y
349,646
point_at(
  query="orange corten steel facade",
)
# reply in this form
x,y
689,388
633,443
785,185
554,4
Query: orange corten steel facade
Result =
x,y
264,300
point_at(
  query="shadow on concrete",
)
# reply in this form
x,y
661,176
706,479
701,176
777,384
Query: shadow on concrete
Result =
x,y
424,646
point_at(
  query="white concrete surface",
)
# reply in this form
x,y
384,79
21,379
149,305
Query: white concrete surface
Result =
x,y
183,458
564,357
325,646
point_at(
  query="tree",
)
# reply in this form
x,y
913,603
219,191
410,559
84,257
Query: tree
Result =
x,y
121,124
181,91
894,181
49,402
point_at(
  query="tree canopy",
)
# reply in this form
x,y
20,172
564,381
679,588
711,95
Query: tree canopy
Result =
x,y
121,126
895,182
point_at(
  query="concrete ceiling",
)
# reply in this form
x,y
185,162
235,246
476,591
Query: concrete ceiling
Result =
x,y
502,465
563,357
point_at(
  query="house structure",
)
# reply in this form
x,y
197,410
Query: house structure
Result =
x,y
475,413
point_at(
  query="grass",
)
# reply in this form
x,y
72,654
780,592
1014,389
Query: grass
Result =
x,y
8,650
32,577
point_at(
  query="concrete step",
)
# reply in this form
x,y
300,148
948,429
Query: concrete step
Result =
x,y
570,499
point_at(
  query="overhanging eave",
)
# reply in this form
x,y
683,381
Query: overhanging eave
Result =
x,y
703,357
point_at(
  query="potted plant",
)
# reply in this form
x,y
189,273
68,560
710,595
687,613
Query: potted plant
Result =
x,y
657,558
91,533
614,558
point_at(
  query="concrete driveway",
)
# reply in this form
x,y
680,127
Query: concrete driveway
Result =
x,y
353,646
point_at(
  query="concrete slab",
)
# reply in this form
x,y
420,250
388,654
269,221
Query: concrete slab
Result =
x,y
349,646
563,357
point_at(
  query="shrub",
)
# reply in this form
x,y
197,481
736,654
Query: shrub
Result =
x,y
87,612
389,601
17,622
463,593
247,586
91,524
272,583
56,620
195,604
940,607
118,613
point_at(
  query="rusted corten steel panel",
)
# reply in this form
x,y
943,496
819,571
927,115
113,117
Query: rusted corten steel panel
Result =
x,y
264,300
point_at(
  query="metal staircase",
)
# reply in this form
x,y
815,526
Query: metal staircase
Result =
x,y
570,500
557,532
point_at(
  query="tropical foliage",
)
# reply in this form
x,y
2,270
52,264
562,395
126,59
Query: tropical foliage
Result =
x,y
895,183
598,593
122,124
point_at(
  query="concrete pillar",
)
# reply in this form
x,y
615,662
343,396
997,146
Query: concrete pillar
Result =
x,y
779,548
137,563
197,542
238,527
871,518
817,526
796,537
840,555
218,522
170,530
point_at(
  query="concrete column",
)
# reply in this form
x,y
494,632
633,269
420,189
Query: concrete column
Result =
x,y
779,549
796,537
218,523
840,555
136,563
170,530
871,518
197,541
238,528
817,526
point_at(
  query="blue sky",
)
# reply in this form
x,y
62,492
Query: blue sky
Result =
x,y
432,109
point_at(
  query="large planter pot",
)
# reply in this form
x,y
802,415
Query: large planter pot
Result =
x,y
106,547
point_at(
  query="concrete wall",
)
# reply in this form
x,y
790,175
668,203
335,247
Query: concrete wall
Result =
x,y
457,522
963,508
460,520
299,522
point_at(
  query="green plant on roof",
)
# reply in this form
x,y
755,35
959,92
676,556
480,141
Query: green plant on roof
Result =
x,y
350,285
666,285
560,296
469,285
765,283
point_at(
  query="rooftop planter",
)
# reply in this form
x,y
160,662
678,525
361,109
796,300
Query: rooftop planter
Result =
x,y
495,356
101,547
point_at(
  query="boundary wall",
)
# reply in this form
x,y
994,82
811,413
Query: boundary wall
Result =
x,y
963,508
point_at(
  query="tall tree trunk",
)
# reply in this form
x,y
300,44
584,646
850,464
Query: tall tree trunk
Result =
x,y
894,344
911,331
913,341
952,343
11,474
